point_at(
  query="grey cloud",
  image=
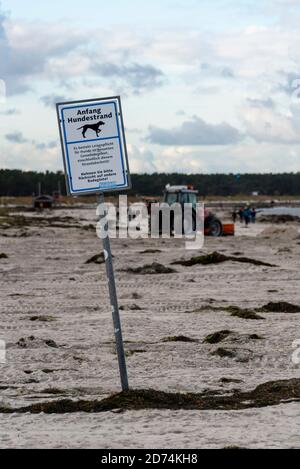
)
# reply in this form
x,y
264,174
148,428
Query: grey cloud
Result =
x,y
20,65
30,57
45,146
226,72
287,85
138,77
10,112
16,137
261,103
195,132
216,70
51,99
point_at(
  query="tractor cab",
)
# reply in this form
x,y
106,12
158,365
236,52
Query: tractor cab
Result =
x,y
180,194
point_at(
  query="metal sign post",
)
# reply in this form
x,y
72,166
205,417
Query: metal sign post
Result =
x,y
114,304
95,161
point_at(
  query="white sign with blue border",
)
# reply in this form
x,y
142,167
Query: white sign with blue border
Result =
x,y
93,145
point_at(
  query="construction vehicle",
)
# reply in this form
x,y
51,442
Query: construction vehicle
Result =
x,y
188,195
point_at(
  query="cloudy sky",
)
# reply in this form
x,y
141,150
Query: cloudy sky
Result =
x,y
207,85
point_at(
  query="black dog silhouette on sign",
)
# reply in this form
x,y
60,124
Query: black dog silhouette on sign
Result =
x,y
94,127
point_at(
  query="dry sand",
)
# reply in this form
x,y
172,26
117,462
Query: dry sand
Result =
x,y
49,293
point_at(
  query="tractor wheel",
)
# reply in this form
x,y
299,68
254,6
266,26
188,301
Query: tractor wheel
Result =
x,y
215,228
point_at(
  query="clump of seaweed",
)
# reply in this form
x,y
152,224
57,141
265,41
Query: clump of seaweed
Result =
x,y
268,394
240,355
224,353
133,307
217,258
237,312
154,268
283,218
51,343
230,380
20,221
53,391
279,307
34,342
217,337
221,336
97,259
42,318
129,353
178,338
136,296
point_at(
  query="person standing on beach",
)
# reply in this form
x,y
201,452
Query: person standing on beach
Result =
x,y
253,215
241,215
247,215
234,216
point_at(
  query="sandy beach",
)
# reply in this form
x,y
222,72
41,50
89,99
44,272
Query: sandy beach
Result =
x,y
56,322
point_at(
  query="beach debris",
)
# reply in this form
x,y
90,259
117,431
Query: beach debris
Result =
x,y
89,227
217,337
136,296
237,312
234,447
279,307
34,342
178,338
217,258
133,307
240,355
42,318
225,335
224,353
154,268
150,251
96,259
21,221
230,380
129,353
3,255
51,343
267,394
278,218
18,234
53,391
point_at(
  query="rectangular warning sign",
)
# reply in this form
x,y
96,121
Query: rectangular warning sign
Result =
x,y
93,144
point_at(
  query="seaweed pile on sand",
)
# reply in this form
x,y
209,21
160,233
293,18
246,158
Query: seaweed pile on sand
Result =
x,y
154,268
217,258
267,394
279,307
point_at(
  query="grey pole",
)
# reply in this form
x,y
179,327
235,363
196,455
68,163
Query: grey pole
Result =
x,y
115,307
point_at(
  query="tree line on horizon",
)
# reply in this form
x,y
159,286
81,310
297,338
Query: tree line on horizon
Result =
x,y
14,183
